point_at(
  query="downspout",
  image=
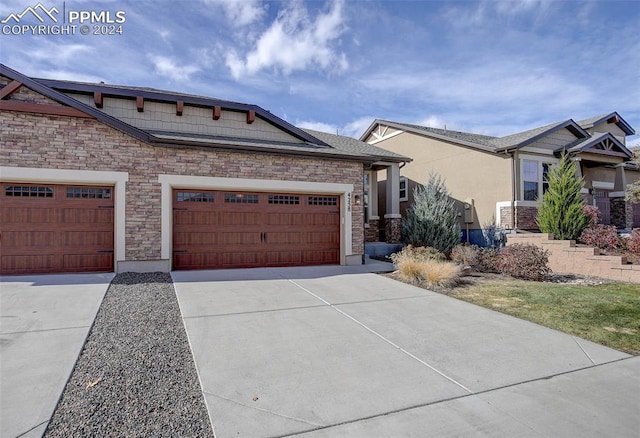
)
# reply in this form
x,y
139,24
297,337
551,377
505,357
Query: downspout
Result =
x,y
513,191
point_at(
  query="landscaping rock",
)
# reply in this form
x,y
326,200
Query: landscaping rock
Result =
x,y
135,375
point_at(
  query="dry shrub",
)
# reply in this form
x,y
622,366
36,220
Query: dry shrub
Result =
x,y
633,243
416,265
479,259
524,261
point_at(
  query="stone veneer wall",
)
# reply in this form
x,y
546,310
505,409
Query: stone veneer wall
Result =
x,y
58,142
525,218
393,230
372,232
566,257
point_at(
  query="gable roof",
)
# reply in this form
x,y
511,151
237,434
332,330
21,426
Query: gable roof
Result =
x,y
352,145
155,95
308,144
613,117
498,144
606,139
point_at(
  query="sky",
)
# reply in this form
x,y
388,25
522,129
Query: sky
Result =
x,y
491,67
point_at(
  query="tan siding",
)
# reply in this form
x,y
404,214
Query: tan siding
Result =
x,y
469,173
612,128
162,117
553,141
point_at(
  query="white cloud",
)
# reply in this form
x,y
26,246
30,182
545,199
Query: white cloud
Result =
x,y
241,13
294,42
168,67
318,126
64,52
432,122
354,129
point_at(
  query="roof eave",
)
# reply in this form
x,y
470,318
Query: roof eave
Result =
x,y
437,136
263,149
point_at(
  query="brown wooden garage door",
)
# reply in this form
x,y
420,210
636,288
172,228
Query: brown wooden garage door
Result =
x,y
53,228
216,229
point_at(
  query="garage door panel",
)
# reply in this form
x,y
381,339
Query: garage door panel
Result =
x,y
285,219
283,258
101,240
201,260
241,238
283,238
195,238
29,215
324,237
241,259
29,239
56,228
23,264
318,257
85,262
85,216
236,230
235,218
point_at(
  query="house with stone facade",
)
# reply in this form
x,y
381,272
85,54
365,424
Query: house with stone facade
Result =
x,y
500,179
97,177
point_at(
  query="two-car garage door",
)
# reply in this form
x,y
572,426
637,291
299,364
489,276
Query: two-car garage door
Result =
x,y
225,229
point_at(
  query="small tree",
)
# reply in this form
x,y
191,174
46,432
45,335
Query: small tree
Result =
x,y
560,211
432,220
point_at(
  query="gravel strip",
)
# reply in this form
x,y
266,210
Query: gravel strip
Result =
x,y
135,375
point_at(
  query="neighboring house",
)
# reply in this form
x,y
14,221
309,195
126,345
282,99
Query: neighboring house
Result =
x,y
108,178
500,179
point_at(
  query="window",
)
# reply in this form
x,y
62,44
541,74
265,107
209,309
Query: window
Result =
x,y
195,197
88,193
404,190
29,191
545,174
534,179
530,180
284,199
322,200
240,198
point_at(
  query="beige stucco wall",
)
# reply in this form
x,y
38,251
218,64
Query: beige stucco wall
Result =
x,y
469,173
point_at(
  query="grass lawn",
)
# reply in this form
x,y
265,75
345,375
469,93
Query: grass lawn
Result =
x,y
608,314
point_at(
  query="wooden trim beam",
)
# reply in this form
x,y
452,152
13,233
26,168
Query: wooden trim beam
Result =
x,y
251,116
216,112
38,108
9,89
140,104
179,107
613,119
98,99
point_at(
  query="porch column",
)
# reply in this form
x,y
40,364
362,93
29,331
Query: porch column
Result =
x,y
372,226
373,196
393,220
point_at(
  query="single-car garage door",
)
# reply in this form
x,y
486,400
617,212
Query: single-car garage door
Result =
x,y
48,228
222,229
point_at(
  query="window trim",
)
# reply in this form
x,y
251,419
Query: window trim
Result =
x,y
403,179
540,161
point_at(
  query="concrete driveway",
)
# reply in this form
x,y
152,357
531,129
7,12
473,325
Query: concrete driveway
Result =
x,y
334,351
44,321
